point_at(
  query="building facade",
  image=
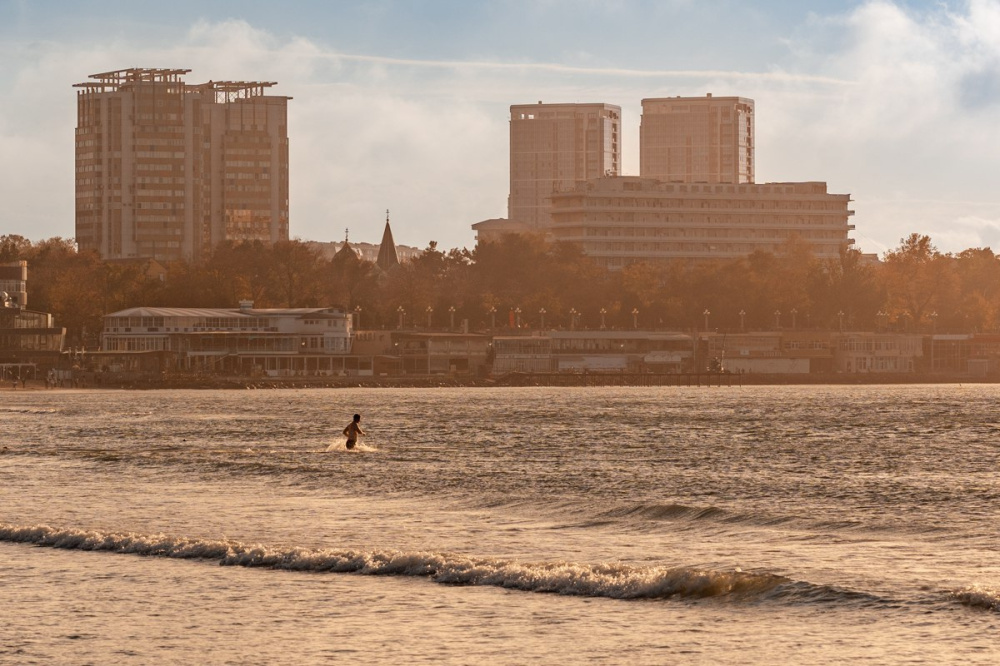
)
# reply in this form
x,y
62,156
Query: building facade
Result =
x,y
243,341
618,221
14,284
865,352
553,146
594,351
697,140
167,170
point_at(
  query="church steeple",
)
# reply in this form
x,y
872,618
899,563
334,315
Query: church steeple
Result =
x,y
387,258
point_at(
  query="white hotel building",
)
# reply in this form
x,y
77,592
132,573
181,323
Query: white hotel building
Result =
x,y
618,221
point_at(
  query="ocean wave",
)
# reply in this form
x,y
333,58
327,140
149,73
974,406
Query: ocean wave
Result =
x,y
28,410
609,580
976,596
680,513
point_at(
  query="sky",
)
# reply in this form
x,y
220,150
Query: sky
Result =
x,y
404,105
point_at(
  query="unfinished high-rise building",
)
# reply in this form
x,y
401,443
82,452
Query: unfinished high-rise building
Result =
x,y
697,140
552,146
167,170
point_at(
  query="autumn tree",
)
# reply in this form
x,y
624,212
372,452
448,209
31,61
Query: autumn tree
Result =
x,y
918,279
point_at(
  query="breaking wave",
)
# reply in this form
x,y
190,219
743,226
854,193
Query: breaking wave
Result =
x,y
610,580
979,597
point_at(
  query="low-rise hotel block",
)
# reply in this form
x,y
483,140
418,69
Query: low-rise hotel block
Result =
x,y
618,221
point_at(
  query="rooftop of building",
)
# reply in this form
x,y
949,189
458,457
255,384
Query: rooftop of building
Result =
x,y
702,98
224,91
222,312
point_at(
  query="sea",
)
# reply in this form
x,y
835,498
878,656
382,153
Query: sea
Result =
x,y
672,525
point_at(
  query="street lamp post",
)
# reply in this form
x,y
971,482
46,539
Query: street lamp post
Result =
x,y
541,313
493,317
572,318
402,313
840,316
451,314
777,319
706,313
635,318
357,317
603,312
743,316
517,312
430,311
794,312
934,316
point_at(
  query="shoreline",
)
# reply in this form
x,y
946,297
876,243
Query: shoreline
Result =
x,y
706,380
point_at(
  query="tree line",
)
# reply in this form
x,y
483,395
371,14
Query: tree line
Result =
x,y
522,280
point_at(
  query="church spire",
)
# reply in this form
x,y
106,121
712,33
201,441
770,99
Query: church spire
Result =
x,y
387,258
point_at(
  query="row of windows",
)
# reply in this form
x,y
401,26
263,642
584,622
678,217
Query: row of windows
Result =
x,y
165,129
30,342
838,204
161,180
263,189
144,192
902,346
159,154
145,343
622,225
159,166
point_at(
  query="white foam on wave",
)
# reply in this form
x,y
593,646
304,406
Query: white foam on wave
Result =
x,y
28,410
615,580
977,596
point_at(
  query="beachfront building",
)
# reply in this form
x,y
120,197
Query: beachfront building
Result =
x,y
167,170
30,343
431,353
864,352
770,352
594,351
14,283
424,352
239,341
618,221
554,145
521,353
697,140
967,354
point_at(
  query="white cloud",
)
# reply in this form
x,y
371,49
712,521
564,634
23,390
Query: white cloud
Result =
x,y
893,105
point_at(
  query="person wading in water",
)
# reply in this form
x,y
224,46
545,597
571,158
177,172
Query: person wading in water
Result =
x,y
353,431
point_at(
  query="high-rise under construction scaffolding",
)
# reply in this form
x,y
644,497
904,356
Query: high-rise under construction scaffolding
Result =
x,y
167,170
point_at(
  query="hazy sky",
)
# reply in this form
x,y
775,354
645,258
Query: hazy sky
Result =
x,y
404,105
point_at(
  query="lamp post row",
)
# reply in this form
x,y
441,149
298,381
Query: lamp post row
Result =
x,y
574,316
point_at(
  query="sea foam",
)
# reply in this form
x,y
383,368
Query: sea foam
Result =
x,y
610,580
977,596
